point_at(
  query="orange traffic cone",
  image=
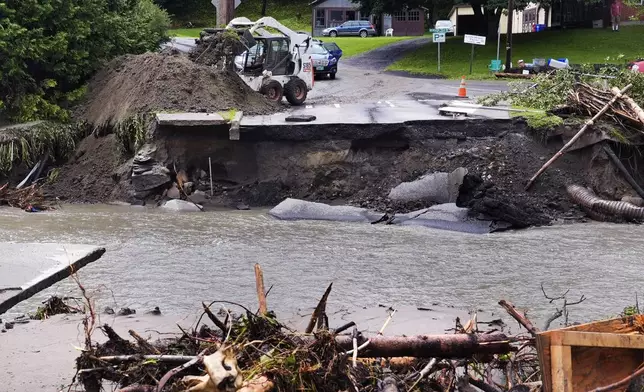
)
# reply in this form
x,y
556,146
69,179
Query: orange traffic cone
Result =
x,y
462,91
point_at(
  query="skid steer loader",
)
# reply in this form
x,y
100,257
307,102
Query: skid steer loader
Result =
x,y
277,61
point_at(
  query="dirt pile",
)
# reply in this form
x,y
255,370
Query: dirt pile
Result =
x,y
91,175
218,50
135,84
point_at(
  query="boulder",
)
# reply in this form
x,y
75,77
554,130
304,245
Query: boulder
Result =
x,y
199,197
180,206
446,217
443,216
174,193
144,182
436,187
294,209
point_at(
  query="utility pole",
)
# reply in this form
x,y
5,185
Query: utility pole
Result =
x,y
508,45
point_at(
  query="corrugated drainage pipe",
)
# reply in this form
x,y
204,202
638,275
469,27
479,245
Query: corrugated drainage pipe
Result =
x,y
613,209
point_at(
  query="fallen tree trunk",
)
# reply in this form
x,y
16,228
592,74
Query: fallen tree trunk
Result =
x,y
431,346
422,346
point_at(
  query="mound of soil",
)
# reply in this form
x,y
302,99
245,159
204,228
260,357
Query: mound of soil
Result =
x,y
218,50
90,176
160,81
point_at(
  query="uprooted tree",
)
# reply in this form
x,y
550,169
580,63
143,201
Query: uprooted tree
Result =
x,y
49,48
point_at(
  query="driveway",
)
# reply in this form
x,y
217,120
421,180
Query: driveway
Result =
x,y
363,79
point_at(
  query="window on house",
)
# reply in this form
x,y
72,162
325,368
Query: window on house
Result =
x,y
413,15
351,15
320,20
399,16
336,17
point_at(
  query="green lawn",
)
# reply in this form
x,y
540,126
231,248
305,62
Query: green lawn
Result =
x,y
581,46
352,46
190,33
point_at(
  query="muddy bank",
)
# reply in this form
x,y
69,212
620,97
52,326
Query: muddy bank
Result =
x,y
358,165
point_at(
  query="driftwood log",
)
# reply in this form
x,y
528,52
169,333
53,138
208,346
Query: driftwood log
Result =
x,y
422,346
431,346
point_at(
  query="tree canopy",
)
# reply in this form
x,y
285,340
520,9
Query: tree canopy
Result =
x,y
51,47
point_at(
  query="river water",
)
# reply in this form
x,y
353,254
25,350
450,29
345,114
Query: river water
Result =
x,y
175,261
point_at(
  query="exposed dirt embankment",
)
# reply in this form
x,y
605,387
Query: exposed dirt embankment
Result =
x,y
356,165
326,164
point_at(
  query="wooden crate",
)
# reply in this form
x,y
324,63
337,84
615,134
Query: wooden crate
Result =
x,y
584,357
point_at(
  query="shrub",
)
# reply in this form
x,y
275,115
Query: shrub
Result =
x,y
51,47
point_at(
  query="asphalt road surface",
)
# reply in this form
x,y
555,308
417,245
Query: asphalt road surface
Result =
x,y
363,78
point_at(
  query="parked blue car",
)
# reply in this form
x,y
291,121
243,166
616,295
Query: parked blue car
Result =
x,y
325,56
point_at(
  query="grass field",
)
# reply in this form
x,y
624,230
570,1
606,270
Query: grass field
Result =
x,y
352,46
582,46
190,33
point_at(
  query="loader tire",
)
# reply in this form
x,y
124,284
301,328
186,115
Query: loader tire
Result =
x,y
272,90
295,91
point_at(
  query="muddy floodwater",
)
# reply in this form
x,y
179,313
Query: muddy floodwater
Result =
x,y
175,261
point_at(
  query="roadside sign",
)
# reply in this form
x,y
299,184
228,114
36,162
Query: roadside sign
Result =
x,y
439,30
438,38
474,39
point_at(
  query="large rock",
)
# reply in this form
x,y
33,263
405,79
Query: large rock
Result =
x,y
198,197
148,175
144,182
174,193
294,209
447,217
443,216
436,187
180,206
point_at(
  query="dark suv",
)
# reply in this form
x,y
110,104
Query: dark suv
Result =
x,y
360,28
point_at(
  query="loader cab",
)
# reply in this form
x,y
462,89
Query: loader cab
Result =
x,y
270,54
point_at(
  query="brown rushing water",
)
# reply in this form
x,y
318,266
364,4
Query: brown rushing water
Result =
x,y
176,261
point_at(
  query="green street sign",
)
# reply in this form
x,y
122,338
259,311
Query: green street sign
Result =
x,y
438,30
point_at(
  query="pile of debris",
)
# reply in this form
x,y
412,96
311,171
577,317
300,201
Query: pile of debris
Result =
x,y
29,199
254,352
218,49
613,104
629,116
139,84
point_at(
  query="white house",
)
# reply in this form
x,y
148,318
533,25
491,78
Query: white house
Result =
x,y
462,17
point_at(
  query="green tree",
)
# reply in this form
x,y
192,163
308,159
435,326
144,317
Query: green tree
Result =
x,y
50,48
190,12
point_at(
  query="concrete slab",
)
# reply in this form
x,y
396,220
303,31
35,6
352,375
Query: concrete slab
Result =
x,y
27,268
378,112
190,119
